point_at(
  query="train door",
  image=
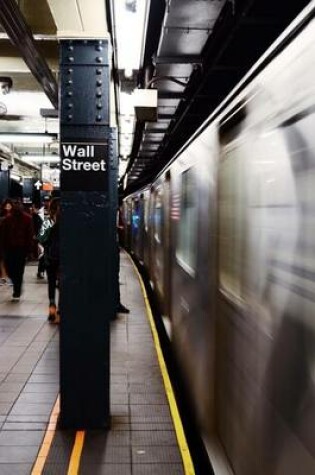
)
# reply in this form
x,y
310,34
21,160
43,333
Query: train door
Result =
x,y
236,330
184,288
135,222
158,244
150,232
167,244
127,223
140,240
146,228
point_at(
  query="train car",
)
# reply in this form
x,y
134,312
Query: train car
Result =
x,y
241,227
160,240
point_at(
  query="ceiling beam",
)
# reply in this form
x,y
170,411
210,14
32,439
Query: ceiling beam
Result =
x,y
183,59
170,95
79,16
20,34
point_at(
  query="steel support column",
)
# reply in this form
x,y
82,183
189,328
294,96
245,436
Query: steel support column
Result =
x,y
88,233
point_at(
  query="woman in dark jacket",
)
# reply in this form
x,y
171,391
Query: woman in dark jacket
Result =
x,y
5,210
16,241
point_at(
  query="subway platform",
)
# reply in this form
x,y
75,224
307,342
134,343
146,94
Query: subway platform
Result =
x,y
146,435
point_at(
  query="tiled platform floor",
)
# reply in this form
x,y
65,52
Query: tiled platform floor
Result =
x,y
142,438
28,374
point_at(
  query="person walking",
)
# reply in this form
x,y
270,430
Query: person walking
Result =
x,y
49,238
37,224
6,210
16,241
120,308
43,214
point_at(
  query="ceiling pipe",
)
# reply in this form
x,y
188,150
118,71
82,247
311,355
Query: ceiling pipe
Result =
x,y
21,36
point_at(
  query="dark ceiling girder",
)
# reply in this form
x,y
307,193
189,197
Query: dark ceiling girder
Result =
x,y
21,35
156,131
49,113
188,59
154,142
165,116
155,21
170,95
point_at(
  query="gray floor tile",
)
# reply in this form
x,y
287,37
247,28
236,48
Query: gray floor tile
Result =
x,y
18,454
41,388
156,454
158,469
105,469
100,439
56,469
8,397
154,438
24,426
16,438
26,409
5,407
15,469
36,398
28,418
109,454
16,378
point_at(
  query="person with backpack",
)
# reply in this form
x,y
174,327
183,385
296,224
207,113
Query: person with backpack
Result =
x,y
49,238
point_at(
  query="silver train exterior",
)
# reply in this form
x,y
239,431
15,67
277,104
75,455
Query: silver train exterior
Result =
x,y
227,235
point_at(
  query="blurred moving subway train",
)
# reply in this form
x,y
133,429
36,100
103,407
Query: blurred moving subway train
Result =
x,y
227,235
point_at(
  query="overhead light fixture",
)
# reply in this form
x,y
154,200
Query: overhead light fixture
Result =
x,y
128,73
130,15
145,103
15,177
27,138
40,158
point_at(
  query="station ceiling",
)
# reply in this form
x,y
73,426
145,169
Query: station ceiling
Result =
x,y
195,52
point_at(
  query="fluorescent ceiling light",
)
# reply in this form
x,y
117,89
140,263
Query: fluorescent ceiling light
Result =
x,y
26,103
15,177
40,158
27,138
130,16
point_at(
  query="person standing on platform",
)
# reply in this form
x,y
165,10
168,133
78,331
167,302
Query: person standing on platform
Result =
x,y
37,224
49,238
120,308
6,209
43,213
16,241
44,210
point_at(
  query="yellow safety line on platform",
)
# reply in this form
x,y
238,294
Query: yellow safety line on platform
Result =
x,y
181,439
76,453
48,438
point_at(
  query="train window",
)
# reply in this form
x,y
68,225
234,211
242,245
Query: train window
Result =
x,y
128,213
135,216
232,217
158,217
146,213
186,238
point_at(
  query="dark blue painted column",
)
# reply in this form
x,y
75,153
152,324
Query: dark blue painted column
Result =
x,y
28,190
4,184
88,234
